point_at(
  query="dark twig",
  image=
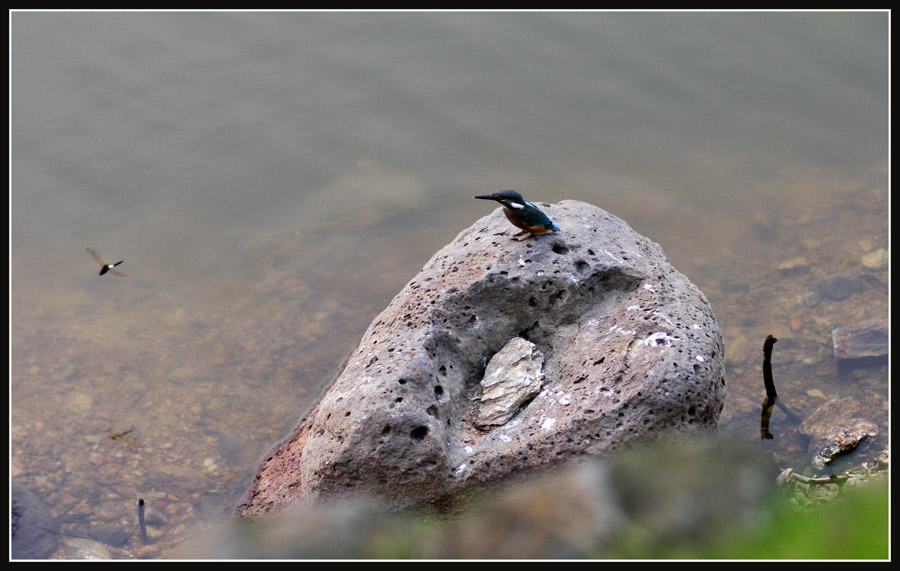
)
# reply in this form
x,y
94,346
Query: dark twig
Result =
x,y
771,393
767,367
764,420
141,522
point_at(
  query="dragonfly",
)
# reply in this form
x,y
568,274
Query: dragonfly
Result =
x,y
104,267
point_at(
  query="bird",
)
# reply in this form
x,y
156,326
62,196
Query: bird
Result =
x,y
521,213
104,267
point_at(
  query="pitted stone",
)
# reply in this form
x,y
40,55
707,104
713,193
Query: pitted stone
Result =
x,y
631,352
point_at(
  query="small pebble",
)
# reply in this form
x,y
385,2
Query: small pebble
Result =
x,y
877,260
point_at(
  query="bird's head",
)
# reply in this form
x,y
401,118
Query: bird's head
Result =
x,y
504,196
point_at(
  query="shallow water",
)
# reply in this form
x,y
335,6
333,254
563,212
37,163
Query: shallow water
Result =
x,y
272,180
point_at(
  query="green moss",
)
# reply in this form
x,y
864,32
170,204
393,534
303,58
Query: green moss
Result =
x,y
854,526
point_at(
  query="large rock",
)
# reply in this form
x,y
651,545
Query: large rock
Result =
x,y
631,352
34,533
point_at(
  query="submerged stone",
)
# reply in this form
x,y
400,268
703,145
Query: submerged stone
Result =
x,y
861,340
837,440
836,428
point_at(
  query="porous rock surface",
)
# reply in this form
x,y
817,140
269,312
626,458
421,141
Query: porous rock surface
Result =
x,y
631,350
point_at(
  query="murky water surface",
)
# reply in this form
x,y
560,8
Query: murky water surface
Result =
x,y
272,180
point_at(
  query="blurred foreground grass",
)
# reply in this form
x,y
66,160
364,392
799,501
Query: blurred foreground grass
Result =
x,y
677,500
853,526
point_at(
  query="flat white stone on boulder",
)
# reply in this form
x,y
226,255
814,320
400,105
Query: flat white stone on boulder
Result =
x,y
631,352
513,377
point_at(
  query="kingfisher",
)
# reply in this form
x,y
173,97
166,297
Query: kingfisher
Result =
x,y
521,213
104,267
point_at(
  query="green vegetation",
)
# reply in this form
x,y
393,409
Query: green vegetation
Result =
x,y
853,526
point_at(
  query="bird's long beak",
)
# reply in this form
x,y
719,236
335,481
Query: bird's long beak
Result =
x,y
485,197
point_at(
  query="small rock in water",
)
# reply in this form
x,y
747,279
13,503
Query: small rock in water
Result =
x,y
800,262
85,549
836,428
513,377
866,339
877,260
841,439
839,286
